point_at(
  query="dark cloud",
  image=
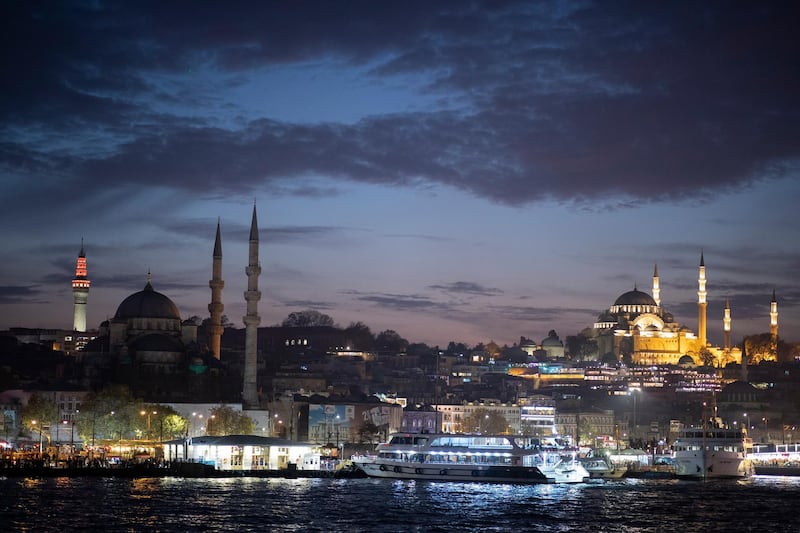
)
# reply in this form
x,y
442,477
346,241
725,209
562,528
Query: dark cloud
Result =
x,y
573,102
26,294
541,315
401,302
466,287
309,304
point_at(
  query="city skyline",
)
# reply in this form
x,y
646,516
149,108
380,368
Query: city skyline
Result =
x,y
452,172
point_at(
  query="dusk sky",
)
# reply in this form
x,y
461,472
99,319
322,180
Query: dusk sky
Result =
x,y
460,171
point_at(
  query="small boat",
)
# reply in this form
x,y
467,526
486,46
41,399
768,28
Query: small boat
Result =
x,y
713,451
461,457
600,468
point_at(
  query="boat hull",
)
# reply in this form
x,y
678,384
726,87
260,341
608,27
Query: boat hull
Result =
x,y
716,466
442,472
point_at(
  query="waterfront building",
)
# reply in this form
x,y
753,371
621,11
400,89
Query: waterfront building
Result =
x,y
586,427
538,416
453,415
244,452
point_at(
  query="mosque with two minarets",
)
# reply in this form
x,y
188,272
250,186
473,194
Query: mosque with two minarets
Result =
x,y
639,330
147,346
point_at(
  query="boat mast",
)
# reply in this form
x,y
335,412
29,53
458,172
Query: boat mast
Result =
x,y
703,456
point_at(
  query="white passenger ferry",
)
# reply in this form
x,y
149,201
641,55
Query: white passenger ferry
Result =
x,y
458,457
712,452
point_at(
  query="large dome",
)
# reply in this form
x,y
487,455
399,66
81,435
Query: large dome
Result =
x,y
636,297
147,303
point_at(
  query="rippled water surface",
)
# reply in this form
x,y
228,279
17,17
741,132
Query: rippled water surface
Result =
x,y
257,504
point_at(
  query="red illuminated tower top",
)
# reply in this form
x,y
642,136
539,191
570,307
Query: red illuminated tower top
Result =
x,y
81,281
80,292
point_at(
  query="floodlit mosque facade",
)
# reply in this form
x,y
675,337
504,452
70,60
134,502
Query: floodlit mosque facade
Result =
x,y
638,326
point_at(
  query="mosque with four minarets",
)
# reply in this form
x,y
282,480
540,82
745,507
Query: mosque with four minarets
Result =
x,y
638,329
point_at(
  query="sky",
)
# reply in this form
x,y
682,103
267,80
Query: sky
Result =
x,y
452,171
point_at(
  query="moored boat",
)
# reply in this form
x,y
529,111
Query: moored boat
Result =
x,y
600,468
712,452
459,457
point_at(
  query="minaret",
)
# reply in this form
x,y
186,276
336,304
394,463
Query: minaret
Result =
x,y
773,317
773,325
701,303
80,292
251,321
656,288
726,326
216,307
744,360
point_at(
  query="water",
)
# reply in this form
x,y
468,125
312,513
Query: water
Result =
x,y
372,505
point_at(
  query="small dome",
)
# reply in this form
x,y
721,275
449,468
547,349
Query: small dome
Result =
x,y
635,297
606,316
147,303
739,387
552,341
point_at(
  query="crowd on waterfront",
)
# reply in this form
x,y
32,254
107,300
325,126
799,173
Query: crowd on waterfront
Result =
x,y
34,460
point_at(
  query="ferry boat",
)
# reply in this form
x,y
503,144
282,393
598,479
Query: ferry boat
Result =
x,y
461,457
712,452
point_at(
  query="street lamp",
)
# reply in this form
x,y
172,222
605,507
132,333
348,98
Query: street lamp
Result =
x,y
148,413
65,422
337,435
72,432
39,429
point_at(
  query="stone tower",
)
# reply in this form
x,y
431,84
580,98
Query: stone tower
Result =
x,y
80,292
251,322
216,307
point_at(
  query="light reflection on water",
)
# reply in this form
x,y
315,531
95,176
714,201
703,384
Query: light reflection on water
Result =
x,y
258,504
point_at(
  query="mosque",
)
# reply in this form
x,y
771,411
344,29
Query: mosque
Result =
x,y
147,346
639,330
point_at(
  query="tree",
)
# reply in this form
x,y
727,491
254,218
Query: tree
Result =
x,y
39,413
359,336
112,413
307,318
586,431
391,341
454,348
626,350
581,347
224,420
174,426
367,432
760,348
164,422
706,357
484,421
